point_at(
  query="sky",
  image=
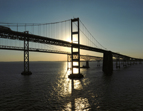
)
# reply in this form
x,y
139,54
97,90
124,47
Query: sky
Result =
x,y
116,24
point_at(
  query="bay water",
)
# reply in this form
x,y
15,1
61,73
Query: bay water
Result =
x,y
50,89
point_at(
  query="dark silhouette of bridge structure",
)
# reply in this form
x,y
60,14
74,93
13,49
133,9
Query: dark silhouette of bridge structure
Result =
x,y
6,32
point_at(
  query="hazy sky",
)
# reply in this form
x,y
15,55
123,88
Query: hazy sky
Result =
x,y
116,24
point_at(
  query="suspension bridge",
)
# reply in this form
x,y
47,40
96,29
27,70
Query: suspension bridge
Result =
x,y
70,35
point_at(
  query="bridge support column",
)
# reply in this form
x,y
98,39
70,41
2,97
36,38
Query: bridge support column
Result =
x,y
134,62
107,62
98,63
87,64
117,62
26,56
129,62
125,62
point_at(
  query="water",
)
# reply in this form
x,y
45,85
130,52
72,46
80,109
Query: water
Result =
x,y
49,88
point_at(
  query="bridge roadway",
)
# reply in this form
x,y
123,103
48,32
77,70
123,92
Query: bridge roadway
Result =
x,y
14,35
86,57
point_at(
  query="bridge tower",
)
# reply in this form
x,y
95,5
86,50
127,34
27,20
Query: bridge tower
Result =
x,y
26,55
75,50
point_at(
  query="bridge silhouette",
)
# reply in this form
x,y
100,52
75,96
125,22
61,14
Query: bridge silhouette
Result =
x,y
7,32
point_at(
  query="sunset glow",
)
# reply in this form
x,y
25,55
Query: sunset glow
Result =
x,y
68,39
115,31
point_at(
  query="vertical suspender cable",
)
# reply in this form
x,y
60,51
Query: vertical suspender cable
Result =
x,y
65,31
17,36
49,32
33,33
57,30
40,29
46,30
33,29
25,26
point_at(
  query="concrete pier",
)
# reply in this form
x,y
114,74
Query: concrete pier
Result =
x,y
107,63
26,73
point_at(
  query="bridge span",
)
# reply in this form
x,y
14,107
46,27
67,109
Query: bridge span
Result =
x,y
7,33
13,35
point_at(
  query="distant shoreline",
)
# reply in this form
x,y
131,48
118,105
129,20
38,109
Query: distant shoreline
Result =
x,y
42,61
34,61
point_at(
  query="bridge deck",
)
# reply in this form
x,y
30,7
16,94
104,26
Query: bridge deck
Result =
x,y
9,34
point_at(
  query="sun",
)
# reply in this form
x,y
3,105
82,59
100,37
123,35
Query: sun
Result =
x,y
68,39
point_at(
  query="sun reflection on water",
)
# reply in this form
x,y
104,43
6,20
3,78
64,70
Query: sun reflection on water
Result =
x,y
66,92
78,104
77,85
